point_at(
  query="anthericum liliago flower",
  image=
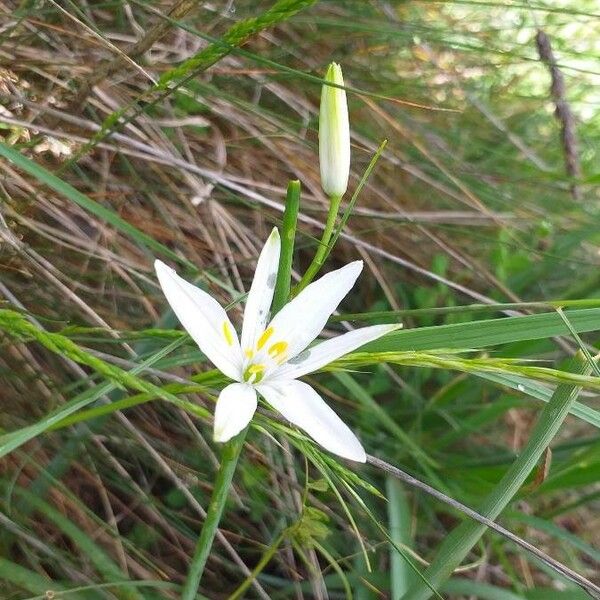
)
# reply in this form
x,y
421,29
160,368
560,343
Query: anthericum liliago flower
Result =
x,y
271,355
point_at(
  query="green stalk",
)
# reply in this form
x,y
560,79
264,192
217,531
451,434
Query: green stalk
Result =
x,y
232,449
321,253
288,235
229,459
457,545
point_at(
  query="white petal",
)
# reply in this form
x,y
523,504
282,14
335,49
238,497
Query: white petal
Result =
x,y
234,410
204,319
300,321
322,354
301,405
260,296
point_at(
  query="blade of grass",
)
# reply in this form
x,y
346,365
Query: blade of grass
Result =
x,y
488,332
556,531
382,416
72,593
174,78
459,542
399,518
101,561
483,591
466,308
31,581
13,440
538,391
544,558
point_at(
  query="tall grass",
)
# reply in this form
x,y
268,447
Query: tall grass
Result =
x,y
132,131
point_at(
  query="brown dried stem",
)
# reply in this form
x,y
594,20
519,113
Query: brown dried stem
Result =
x,y
563,112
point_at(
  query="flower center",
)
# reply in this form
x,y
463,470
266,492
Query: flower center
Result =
x,y
267,353
254,373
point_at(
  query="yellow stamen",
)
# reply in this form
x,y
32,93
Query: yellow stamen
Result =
x,y
255,369
262,340
227,333
276,349
249,352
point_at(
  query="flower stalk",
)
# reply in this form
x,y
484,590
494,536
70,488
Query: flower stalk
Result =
x,y
229,459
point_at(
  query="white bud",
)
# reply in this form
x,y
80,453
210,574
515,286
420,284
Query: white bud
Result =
x,y
334,135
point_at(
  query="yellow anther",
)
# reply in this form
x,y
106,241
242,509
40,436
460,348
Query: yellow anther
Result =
x,y
276,349
255,369
262,340
249,352
227,333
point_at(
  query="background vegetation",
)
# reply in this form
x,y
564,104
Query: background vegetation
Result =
x,y
134,129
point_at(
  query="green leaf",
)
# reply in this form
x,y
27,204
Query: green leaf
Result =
x,y
399,518
482,591
537,390
488,332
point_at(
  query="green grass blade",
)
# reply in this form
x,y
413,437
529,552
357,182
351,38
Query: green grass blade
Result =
x,y
31,581
558,532
488,332
399,518
459,542
101,561
482,591
534,389
366,400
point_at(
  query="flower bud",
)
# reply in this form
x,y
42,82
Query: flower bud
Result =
x,y
334,135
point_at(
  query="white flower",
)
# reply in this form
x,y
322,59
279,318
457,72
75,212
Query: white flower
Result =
x,y
334,135
271,355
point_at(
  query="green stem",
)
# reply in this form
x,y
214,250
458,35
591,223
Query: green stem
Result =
x,y
232,449
229,459
321,253
288,235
